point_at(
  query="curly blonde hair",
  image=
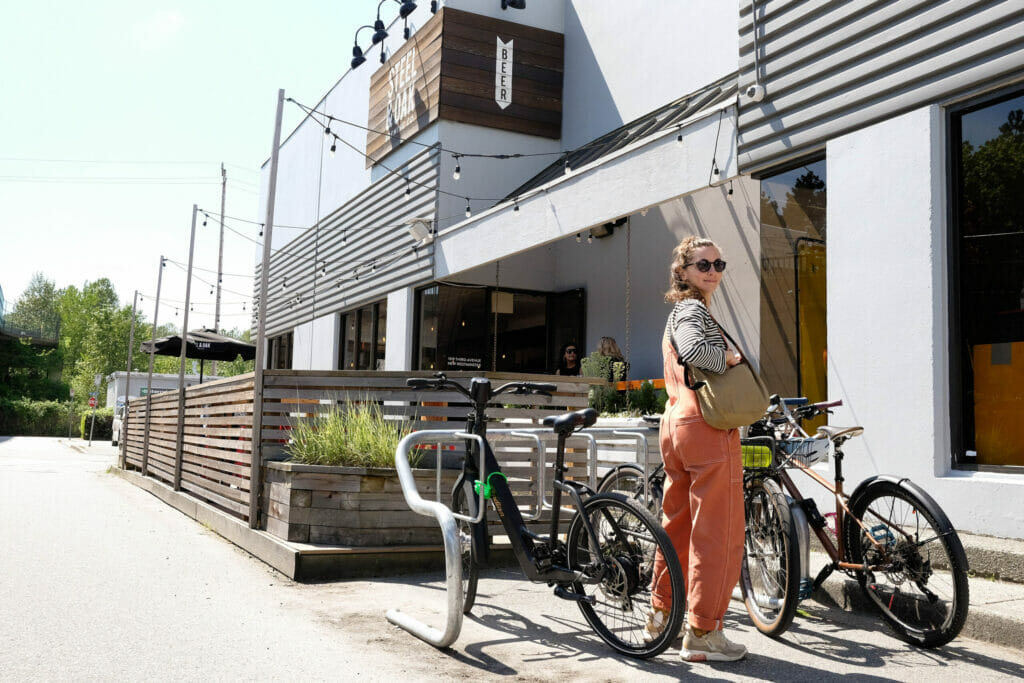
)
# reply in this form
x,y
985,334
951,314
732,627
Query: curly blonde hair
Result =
x,y
682,255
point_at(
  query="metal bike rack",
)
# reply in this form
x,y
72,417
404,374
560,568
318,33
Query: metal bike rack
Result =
x,y
449,531
446,518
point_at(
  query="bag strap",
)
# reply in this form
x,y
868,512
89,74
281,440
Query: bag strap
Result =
x,y
695,386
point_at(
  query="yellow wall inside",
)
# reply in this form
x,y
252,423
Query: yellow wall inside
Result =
x,y
999,407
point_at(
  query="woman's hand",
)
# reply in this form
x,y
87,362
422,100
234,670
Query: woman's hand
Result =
x,y
732,357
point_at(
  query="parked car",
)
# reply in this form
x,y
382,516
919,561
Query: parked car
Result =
x,y
115,427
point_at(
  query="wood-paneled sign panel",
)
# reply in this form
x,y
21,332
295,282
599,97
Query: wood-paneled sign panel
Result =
x,y
470,68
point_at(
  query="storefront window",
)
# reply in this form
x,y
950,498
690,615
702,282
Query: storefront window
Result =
x,y
281,352
793,321
460,327
363,342
988,285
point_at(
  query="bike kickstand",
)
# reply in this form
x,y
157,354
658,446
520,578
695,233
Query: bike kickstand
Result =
x,y
825,572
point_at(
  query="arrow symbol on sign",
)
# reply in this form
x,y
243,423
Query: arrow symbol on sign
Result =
x,y
503,73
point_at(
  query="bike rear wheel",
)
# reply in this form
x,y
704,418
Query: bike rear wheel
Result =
x,y
628,479
918,568
465,503
628,539
770,573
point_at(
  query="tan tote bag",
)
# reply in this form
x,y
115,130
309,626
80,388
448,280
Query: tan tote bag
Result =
x,y
734,398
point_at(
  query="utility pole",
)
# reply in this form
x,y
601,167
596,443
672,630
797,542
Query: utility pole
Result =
x,y
220,253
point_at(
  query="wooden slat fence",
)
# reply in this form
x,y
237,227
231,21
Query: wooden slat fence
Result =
x,y
216,459
218,425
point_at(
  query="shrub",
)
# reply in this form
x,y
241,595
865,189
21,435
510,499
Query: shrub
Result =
x,y
104,427
25,417
356,435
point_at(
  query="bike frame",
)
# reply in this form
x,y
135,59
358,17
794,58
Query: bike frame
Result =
x,y
536,565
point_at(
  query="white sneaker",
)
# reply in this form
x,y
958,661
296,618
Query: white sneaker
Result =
x,y
713,646
657,620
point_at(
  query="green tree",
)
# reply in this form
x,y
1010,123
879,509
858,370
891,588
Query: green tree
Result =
x,y
237,366
36,311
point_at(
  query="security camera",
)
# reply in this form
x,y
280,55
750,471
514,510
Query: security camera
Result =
x,y
755,92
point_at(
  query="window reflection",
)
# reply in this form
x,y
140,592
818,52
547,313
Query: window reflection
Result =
x,y
793,322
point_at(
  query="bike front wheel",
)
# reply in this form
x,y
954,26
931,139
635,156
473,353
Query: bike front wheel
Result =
x,y
916,566
627,540
770,573
628,479
465,503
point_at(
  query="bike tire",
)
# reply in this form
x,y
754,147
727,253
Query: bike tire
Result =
x,y
464,502
770,573
919,575
628,479
628,539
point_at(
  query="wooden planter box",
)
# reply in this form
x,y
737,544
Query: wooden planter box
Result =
x,y
349,506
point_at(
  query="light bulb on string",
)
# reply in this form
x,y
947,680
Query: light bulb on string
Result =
x,y
578,238
457,173
327,130
515,204
469,211
590,238
334,146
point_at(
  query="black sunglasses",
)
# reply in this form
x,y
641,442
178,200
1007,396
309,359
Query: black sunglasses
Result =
x,y
570,350
704,265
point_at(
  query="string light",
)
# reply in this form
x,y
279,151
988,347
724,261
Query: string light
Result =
x,y
515,204
590,238
565,165
334,146
578,238
469,212
458,169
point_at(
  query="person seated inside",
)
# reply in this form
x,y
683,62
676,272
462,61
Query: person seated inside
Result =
x,y
568,360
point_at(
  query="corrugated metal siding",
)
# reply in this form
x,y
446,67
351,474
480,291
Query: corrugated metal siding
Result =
x,y
365,247
833,67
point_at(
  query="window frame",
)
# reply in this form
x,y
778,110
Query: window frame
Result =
x,y
952,118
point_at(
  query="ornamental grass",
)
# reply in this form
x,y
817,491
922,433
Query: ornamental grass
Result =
x,y
349,434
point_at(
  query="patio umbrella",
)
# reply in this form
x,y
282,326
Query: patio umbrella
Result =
x,y
204,344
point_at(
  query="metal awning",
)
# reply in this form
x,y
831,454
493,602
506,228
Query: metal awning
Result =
x,y
668,153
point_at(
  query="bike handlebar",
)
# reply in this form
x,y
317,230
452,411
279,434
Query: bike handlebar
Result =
x,y
442,383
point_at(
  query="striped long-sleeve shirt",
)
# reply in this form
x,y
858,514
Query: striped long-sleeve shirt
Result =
x,y
696,336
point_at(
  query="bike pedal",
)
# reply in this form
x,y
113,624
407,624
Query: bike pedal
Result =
x,y
576,597
806,588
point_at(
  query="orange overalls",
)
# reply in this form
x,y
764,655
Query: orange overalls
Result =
x,y
703,502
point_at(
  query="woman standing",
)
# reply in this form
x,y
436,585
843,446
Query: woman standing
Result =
x,y
703,499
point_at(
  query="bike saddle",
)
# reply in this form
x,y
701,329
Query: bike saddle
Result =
x,y
832,433
566,424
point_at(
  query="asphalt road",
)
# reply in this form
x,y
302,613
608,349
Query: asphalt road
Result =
x,y
101,581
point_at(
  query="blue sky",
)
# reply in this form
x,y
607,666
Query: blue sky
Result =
x,y
116,116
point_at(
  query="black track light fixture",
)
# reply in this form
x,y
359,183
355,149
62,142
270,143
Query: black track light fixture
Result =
x,y
514,4
379,32
407,8
357,52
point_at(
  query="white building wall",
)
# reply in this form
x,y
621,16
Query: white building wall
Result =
x,y
888,315
625,59
401,323
315,345
600,267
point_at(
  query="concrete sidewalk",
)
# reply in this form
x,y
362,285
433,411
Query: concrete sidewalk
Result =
x,y
996,565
